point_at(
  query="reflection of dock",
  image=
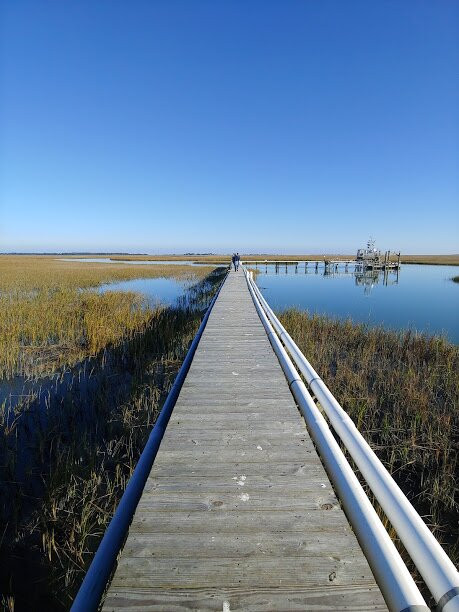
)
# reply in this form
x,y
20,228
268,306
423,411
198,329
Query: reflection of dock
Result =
x,y
369,278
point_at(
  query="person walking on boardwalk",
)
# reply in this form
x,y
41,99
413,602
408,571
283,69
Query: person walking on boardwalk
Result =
x,y
238,259
233,259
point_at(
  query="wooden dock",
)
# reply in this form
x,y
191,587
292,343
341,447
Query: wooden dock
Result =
x,y
238,512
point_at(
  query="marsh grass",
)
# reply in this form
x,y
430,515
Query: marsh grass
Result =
x,y
67,455
433,260
402,392
49,319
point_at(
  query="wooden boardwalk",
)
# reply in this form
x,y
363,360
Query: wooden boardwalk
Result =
x,y
238,512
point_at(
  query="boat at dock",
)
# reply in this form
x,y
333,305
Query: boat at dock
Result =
x,y
371,258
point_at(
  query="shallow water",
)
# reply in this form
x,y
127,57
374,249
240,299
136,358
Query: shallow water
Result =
x,y
164,291
419,297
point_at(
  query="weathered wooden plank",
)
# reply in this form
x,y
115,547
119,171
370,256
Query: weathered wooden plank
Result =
x,y
251,572
258,419
249,453
238,509
305,522
278,472
277,599
269,484
270,438
276,545
262,444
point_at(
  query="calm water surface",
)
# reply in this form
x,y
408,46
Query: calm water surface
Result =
x,y
422,298
157,290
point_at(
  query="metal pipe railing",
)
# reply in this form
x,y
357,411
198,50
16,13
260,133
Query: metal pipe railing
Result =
x,y
437,570
397,586
99,572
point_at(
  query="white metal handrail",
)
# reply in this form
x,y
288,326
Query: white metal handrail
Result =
x,y
436,568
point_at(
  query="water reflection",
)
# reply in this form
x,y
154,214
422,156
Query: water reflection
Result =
x,y
155,290
370,278
367,278
363,277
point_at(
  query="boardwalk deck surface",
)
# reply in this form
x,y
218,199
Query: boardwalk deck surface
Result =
x,y
238,512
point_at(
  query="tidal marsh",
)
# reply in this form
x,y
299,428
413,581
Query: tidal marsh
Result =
x,y
49,318
68,452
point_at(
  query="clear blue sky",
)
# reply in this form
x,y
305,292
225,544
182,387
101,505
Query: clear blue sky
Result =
x,y
288,126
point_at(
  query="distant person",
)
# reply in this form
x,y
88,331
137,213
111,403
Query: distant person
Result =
x,y
238,259
233,259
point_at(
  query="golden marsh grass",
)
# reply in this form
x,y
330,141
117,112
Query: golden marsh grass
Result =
x,y
402,391
48,318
